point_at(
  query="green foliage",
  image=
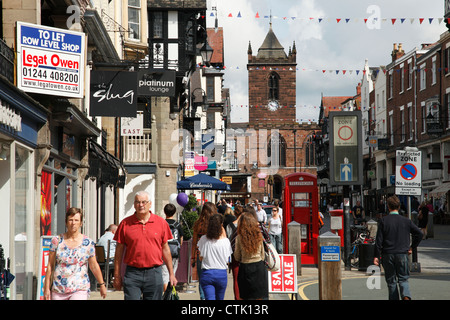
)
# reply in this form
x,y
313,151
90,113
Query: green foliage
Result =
x,y
190,215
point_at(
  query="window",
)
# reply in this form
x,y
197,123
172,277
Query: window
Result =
x,y
276,150
391,84
433,71
410,119
402,117
424,117
134,19
273,84
423,77
391,126
410,75
447,101
157,25
402,80
210,88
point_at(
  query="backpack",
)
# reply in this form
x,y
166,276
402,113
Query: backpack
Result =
x,y
174,244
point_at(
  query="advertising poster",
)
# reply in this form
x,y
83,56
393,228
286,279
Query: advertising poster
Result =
x,y
46,203
50,60
43,262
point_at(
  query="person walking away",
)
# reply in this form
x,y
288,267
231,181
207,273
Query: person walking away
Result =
x,y
392,246
215,253
249,251
69,257
175,243
232,234
275,230
199,229
423,219
145,236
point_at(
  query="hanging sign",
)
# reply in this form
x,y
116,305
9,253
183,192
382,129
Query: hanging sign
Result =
x,y
50,60
113,94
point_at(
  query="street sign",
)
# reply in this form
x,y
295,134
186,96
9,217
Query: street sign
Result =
x,y
345,148
330,253
408,177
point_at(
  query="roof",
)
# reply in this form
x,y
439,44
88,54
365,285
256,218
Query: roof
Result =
x,y
333,103
215,40
271,47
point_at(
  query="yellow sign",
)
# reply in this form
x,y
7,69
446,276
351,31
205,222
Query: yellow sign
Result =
x,y
227,179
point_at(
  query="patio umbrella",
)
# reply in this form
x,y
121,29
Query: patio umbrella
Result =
x,y
202,181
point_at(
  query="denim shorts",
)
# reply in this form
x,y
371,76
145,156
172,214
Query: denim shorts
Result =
x,y
143,283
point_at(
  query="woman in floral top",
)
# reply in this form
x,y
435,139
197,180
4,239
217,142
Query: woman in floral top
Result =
x,y
69,256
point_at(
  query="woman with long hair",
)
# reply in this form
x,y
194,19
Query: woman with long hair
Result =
x,y
249,251
200,228
215,252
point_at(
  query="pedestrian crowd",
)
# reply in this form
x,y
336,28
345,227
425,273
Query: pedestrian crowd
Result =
x,y
144,250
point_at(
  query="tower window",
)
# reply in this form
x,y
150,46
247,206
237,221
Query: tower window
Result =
x,y
274,89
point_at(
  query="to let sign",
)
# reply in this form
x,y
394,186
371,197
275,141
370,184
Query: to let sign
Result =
x,y
285,279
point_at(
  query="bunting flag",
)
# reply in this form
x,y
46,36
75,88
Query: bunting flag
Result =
x,y
393,20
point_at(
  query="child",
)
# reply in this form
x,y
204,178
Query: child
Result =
x,y
175,243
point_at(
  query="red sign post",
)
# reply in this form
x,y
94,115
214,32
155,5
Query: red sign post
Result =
x,y
285,279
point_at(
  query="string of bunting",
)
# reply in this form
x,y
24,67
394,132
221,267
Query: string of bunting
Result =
x,y
392,21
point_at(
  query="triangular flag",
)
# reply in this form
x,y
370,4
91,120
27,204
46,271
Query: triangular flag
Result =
x,y
365,20
257,15
239,15
393,21
402,20
421,20
320,20
338,20
230,16
347,20
431,20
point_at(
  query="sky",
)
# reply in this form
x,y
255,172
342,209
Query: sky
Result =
x,y
329,53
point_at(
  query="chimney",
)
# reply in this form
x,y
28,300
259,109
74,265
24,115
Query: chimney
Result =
x,y
397,52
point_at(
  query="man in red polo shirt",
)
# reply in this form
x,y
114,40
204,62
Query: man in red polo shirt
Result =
x,y
144,235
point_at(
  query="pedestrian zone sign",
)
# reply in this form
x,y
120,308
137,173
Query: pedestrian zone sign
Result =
x,y
408,175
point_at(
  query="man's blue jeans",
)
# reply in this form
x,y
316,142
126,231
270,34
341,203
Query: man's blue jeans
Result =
x,y
214,283
396,272
145,283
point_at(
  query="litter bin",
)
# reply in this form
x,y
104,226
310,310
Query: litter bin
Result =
x,y
366,252
337,223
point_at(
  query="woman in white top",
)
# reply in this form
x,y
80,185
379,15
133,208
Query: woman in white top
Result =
x,y
275,230
215,252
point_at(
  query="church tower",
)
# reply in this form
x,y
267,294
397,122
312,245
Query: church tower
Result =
x,y
272,83
282,146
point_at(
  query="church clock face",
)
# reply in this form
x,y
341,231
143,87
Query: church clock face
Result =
x,y
273,105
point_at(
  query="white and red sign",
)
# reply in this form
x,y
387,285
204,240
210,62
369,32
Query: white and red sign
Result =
x,y
285,279
50,60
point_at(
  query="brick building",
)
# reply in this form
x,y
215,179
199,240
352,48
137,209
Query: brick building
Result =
x,y
277,144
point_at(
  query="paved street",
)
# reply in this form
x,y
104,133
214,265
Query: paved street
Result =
x,y
431,283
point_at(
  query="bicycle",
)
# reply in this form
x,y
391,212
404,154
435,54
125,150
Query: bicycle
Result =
x,y
362,237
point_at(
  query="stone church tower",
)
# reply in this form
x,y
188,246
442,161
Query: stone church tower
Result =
x,y
282,146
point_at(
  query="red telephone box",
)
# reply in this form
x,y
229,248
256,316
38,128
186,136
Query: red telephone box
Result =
x,y
301,204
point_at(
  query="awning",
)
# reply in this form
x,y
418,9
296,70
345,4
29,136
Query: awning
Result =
x,y
440,191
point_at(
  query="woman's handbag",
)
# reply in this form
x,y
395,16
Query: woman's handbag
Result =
x,y
272,259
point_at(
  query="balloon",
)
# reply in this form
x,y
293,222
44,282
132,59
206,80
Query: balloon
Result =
x,y
182,199
173,198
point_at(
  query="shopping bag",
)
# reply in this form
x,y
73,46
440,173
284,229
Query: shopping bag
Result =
x,y
171,293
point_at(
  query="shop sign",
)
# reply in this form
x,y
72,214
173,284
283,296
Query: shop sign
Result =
x,y
50,60
156,83
132,126
9,117
113,94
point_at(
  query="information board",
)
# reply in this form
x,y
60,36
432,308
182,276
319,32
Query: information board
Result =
x,y
408,173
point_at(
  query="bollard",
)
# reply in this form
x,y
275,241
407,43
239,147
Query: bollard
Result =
x,y
294,243
330,275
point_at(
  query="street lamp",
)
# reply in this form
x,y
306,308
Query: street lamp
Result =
x,y
206,52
